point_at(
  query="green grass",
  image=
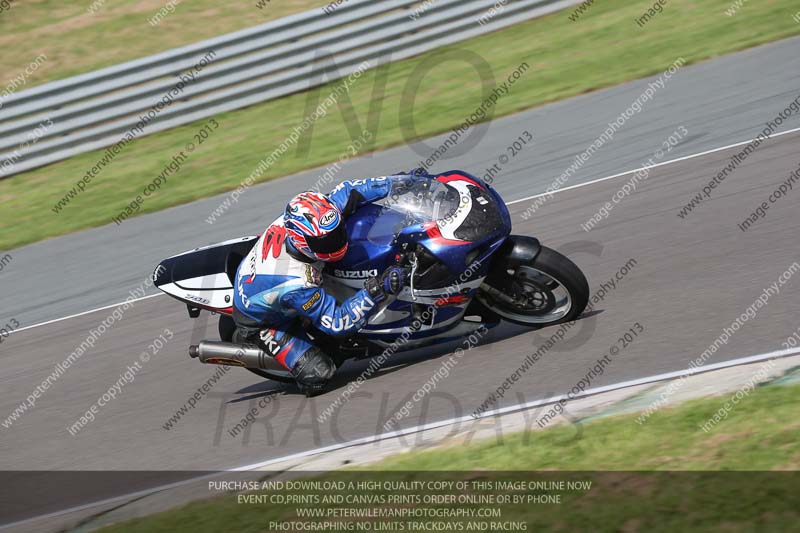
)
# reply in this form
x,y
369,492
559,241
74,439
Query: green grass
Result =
x,y
605,47
76,41
762,433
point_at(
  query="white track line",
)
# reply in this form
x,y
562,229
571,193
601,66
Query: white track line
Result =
x,y
536,403
433,425
87,312
700,154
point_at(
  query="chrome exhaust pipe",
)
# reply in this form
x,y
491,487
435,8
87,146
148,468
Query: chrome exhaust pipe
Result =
x,y
227,353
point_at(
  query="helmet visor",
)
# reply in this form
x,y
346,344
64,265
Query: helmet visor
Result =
x,y
331,242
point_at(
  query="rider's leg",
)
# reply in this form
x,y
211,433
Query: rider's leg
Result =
x,y
309,365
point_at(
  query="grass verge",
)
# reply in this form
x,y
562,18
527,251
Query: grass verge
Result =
x,y
605,47
762,433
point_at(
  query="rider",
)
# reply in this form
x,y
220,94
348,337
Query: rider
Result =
x,y
280,280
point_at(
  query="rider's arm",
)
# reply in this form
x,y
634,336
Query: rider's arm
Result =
x,y
325,312
351,194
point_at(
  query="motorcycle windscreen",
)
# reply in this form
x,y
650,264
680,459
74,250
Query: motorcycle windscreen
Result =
x,y
426,201
462,207
385,226
423,202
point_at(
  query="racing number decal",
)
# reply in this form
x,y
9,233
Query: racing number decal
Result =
x,y
273,240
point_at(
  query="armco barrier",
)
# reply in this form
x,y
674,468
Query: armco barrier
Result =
x,y
292,54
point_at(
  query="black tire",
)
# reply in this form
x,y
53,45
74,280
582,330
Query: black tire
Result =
x,y
266,374
226,328
555,266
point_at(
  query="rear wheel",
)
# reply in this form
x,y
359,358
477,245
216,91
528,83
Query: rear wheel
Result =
x,y
274,375
546,290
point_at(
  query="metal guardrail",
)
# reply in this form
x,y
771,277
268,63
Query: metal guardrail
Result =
x,y
292,54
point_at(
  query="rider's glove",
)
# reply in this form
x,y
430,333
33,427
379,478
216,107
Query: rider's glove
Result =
x,y
391,281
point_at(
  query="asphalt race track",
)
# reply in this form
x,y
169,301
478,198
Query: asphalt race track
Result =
x,y
692,277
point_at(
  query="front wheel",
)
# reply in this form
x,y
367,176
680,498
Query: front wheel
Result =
x,y
545,290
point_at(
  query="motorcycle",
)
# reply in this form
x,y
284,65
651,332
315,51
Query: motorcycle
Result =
x,y
467,272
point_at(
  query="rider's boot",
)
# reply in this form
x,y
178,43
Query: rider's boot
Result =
x,y
313,371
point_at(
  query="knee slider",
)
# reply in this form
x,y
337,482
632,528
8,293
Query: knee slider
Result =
x,y
314,366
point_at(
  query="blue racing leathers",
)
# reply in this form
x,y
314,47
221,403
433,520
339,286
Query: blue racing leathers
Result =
x,y
276,285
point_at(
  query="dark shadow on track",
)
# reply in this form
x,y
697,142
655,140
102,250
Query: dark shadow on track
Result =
x,y
352,369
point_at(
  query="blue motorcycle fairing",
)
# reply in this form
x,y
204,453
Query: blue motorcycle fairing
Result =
x,y
450,267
